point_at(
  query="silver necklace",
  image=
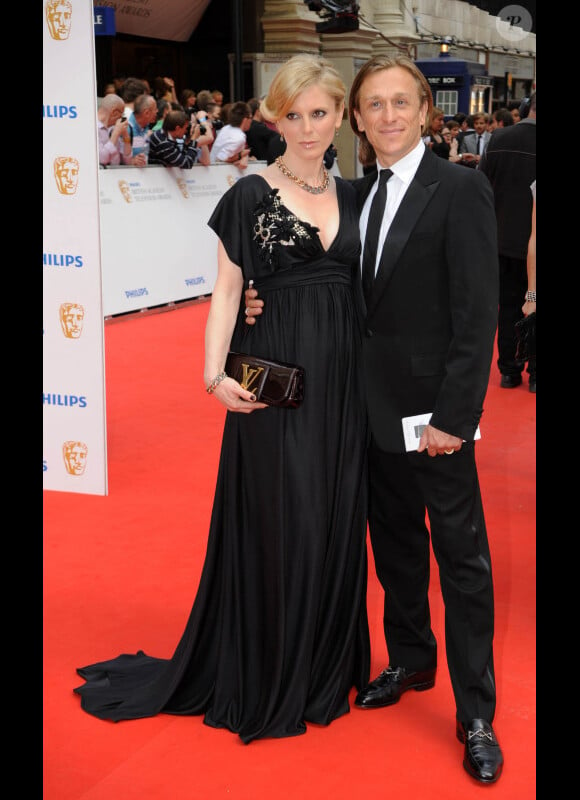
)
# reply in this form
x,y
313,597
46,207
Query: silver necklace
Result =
x,y
302,183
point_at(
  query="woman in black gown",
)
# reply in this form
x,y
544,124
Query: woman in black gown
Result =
x,y
278,632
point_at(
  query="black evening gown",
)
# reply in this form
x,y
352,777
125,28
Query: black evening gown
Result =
x,y
278,632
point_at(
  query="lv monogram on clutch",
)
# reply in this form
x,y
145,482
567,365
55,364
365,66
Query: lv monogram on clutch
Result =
x,y
250,375
275,383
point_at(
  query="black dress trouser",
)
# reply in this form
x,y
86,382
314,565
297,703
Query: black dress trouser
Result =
x,y
402,487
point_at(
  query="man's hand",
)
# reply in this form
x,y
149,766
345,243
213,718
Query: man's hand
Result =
x,y
436,442
239,159
253,305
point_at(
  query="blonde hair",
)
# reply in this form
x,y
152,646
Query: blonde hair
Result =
x,y
299,73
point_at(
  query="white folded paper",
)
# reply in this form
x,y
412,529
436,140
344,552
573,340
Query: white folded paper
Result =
x,y
413,428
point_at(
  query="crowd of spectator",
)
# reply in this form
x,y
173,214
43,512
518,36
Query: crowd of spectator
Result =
x,y
139,124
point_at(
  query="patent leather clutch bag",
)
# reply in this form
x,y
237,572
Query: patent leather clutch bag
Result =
x,y
275,383
526,337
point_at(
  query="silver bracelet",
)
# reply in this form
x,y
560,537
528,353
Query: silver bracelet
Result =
x,y
215,382
530,297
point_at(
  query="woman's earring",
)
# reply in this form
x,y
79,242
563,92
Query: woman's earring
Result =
x,y
336,131
281,136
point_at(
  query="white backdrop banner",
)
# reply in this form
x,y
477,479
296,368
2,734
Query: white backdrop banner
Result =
x,y
156,244
74,417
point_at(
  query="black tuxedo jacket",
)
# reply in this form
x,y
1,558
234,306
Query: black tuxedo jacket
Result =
x,y
509,162
430,325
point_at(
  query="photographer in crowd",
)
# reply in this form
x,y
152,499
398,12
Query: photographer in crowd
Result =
x,y
179,143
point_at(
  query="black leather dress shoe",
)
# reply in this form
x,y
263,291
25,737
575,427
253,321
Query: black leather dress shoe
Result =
x,y
510,381
482,758
390,685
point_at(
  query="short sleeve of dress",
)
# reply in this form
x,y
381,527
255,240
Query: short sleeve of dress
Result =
x,y
226,221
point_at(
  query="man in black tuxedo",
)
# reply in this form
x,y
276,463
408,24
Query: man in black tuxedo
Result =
x,y
429,299
430,322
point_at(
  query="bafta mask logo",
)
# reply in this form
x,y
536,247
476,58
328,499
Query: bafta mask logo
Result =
x,y
59,18
66,174
183,188
71,319
126,191
75,457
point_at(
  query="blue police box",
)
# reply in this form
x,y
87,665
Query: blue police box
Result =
x,y
469,79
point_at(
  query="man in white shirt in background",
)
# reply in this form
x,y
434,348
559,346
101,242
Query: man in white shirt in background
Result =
x,y
230,142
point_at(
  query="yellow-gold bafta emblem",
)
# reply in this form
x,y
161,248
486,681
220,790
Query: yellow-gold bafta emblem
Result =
x,y
59,18
71,319
66,174
126,191
75,457
183,188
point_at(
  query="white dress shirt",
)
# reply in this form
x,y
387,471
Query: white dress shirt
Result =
x,y
403,173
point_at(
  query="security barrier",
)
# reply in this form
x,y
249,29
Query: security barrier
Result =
x,y
156,245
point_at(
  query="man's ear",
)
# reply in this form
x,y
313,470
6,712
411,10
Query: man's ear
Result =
x,y
359,121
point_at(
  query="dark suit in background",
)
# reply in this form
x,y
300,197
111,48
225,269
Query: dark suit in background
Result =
x,y
509,161
258,138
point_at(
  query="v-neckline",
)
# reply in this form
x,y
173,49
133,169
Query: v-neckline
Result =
x,y
311,227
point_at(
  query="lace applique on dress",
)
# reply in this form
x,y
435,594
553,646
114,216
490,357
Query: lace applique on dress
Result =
x,y
275,225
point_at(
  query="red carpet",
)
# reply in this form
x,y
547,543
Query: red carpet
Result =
x,y
121,572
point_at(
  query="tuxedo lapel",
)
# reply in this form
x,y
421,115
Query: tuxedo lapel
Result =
x,y
418,195
364,186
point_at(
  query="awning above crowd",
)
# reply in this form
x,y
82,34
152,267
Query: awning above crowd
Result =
x,y
173,20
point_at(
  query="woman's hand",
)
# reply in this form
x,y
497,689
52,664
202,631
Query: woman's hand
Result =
x,y
235,398
528,308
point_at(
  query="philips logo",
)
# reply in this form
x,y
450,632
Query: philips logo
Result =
x,y
136,292
68,400
195,281
61,260
59,112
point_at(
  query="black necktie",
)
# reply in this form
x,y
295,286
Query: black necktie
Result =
x,y
479,138
372,235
